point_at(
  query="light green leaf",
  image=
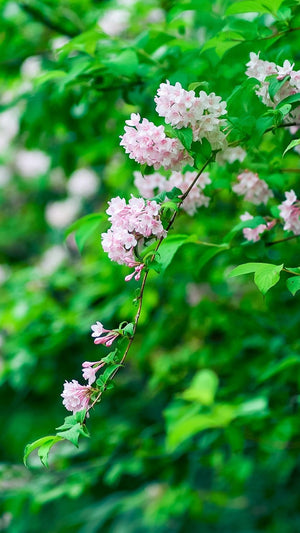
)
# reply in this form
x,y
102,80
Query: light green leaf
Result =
x,y
185,428
124,64
275,84
292,144
73,433
223,41
252,223
293,284
265,275
202,388
185,135
44,444
253,406
254,6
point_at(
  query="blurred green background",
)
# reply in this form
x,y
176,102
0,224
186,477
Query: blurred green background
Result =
x,y
201,432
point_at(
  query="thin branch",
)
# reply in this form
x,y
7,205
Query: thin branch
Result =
x,y
282,240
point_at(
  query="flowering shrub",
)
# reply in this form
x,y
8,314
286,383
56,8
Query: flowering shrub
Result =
x,y
173,132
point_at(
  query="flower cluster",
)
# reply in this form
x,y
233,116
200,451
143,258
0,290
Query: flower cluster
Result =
x,y
76,397
253,234
253,188
183,109
130,225
290,212
147,143
151,184
259,69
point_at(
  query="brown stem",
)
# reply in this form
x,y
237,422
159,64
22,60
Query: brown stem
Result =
x,y
282,240
141,294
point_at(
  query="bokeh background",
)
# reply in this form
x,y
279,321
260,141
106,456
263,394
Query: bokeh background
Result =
x,y
71,72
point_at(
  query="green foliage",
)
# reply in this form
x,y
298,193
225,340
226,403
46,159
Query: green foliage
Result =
x,y
200,431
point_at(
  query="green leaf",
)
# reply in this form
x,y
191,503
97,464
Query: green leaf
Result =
x,y
202,388
293,284
265,275
253,406
73,433
185,135
44,444
84,228
223,41
275,84
278,366
169,247
254,6
185,428
129,328
124,64
209,254
292,144
292,99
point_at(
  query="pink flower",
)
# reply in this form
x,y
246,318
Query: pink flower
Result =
x,y
89,370
76,397
97,329
147,143
254,189
253,234
290,212
131,224
183,109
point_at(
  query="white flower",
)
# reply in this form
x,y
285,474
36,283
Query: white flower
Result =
x,y
60,214
31,163
83,182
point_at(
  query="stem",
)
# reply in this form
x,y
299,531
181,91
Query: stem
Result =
x,y
142,289
282,240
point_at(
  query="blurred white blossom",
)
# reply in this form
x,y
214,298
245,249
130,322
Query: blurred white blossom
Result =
x,y
83,182
31,67
5,175
52,259
31,163
114,22
62,213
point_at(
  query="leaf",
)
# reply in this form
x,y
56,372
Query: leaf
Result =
x,y
73,433
49,76
185,135
254,6
279,366
202,388
45,444
292,99
265,275
124,64
223,41
209,254
292,144
293,284
186,427
253,406
84,228
275,84
168,249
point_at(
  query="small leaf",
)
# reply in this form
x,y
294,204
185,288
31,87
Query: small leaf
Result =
x,y
293,284
168,249
252,407
185,135
278,366
45,443
292,144
275,84
74,433
129,328
292,99
124,64
202,388
84,228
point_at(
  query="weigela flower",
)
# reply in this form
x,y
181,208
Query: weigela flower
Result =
x,y
150,184
76,397
89,370
252,188
183,109
252,234
259,69
107,339
131,224
290,212
147,143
